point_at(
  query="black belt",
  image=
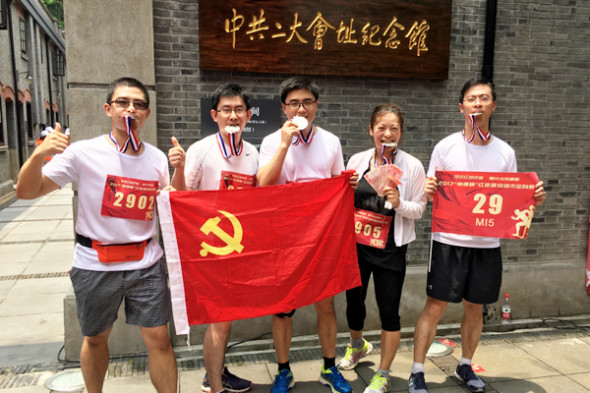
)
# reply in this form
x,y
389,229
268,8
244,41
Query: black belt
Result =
x,y
87,242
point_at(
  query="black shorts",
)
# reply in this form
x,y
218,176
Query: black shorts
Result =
x,y
456,273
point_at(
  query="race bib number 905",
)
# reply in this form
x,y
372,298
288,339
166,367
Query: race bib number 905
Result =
x,y
125,197
371,228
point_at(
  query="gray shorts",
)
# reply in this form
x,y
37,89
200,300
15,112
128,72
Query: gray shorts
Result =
x,y
100,294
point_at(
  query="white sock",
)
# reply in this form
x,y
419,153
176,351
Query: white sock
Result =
x,y
465,361
417,368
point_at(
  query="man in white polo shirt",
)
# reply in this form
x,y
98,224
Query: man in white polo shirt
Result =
x,y
219,162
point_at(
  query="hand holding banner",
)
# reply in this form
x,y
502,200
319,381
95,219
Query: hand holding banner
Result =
x,y
484,203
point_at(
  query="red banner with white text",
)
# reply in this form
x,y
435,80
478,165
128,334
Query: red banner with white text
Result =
x,y
244,253
484,203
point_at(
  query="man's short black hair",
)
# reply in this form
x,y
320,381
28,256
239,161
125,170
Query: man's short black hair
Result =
x,y
229,90
127,82
296,83
474,82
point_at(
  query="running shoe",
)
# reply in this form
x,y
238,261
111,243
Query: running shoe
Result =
x,y
334,380
283,382
231,383
379,384
354,355
465,374
417,384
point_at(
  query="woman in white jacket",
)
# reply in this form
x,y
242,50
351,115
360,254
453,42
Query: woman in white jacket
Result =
x,y
384,226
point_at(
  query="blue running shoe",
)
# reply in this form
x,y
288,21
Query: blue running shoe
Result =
x,y
466,375
335,380
417,384
231,383
283,382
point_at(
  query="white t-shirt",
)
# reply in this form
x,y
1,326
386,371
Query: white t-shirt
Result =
x,y
453,154
204,163
88,163
320,159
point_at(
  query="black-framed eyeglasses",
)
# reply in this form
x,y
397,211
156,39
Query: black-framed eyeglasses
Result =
x,y
295,105
239,111
124,103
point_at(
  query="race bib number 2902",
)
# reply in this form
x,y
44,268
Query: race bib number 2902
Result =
x,y
125,197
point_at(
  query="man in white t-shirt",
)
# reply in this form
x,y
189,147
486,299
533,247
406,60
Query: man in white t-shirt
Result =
x,y
219,162
463,268
299,152
116,258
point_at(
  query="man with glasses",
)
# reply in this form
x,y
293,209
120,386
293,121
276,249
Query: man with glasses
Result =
x,y
463,268
116,258
219,162
299,152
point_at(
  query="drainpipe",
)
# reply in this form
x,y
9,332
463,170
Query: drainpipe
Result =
x,y
489,40
52,121
19,134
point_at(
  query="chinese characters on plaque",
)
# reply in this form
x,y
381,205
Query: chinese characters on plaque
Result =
x,y
374,38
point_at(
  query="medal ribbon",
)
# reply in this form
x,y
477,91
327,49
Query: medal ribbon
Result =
x,y
483,136
305,140
385,160
131,138
233,148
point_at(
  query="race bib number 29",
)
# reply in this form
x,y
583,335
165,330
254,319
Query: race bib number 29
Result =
x,y
125,197
484,203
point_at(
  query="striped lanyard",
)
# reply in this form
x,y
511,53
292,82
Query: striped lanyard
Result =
x,y
233,148
301,137
483,136
385,160
132,139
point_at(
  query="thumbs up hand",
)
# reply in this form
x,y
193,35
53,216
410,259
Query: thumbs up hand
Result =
x,y
176,154
54,143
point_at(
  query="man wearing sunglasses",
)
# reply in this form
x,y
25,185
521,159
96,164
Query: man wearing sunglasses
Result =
x,y
219,162
115,258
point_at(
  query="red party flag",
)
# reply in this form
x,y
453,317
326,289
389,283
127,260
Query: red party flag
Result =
x,y
244,253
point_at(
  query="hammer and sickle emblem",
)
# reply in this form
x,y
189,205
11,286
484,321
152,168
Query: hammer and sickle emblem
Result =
x,y
232,243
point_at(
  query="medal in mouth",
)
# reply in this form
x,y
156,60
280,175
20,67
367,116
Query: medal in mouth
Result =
x,y
235,147
301,123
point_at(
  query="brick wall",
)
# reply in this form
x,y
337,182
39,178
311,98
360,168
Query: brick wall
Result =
x,y
542,76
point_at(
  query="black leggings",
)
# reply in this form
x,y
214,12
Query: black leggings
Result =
x,y
388,290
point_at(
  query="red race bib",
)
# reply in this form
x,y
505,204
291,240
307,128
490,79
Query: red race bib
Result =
x,y
371,228
232,180
125,197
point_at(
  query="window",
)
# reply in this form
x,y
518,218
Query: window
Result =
x,y
3,13
59,64
23,36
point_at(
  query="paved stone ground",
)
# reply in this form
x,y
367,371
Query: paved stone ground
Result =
x,y
27,375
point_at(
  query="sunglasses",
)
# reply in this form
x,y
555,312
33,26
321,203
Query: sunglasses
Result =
x,y
124,103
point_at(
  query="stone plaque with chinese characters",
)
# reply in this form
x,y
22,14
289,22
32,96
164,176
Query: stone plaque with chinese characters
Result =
x,y
381,38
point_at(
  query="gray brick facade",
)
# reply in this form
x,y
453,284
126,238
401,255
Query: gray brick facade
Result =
x,y
542,64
